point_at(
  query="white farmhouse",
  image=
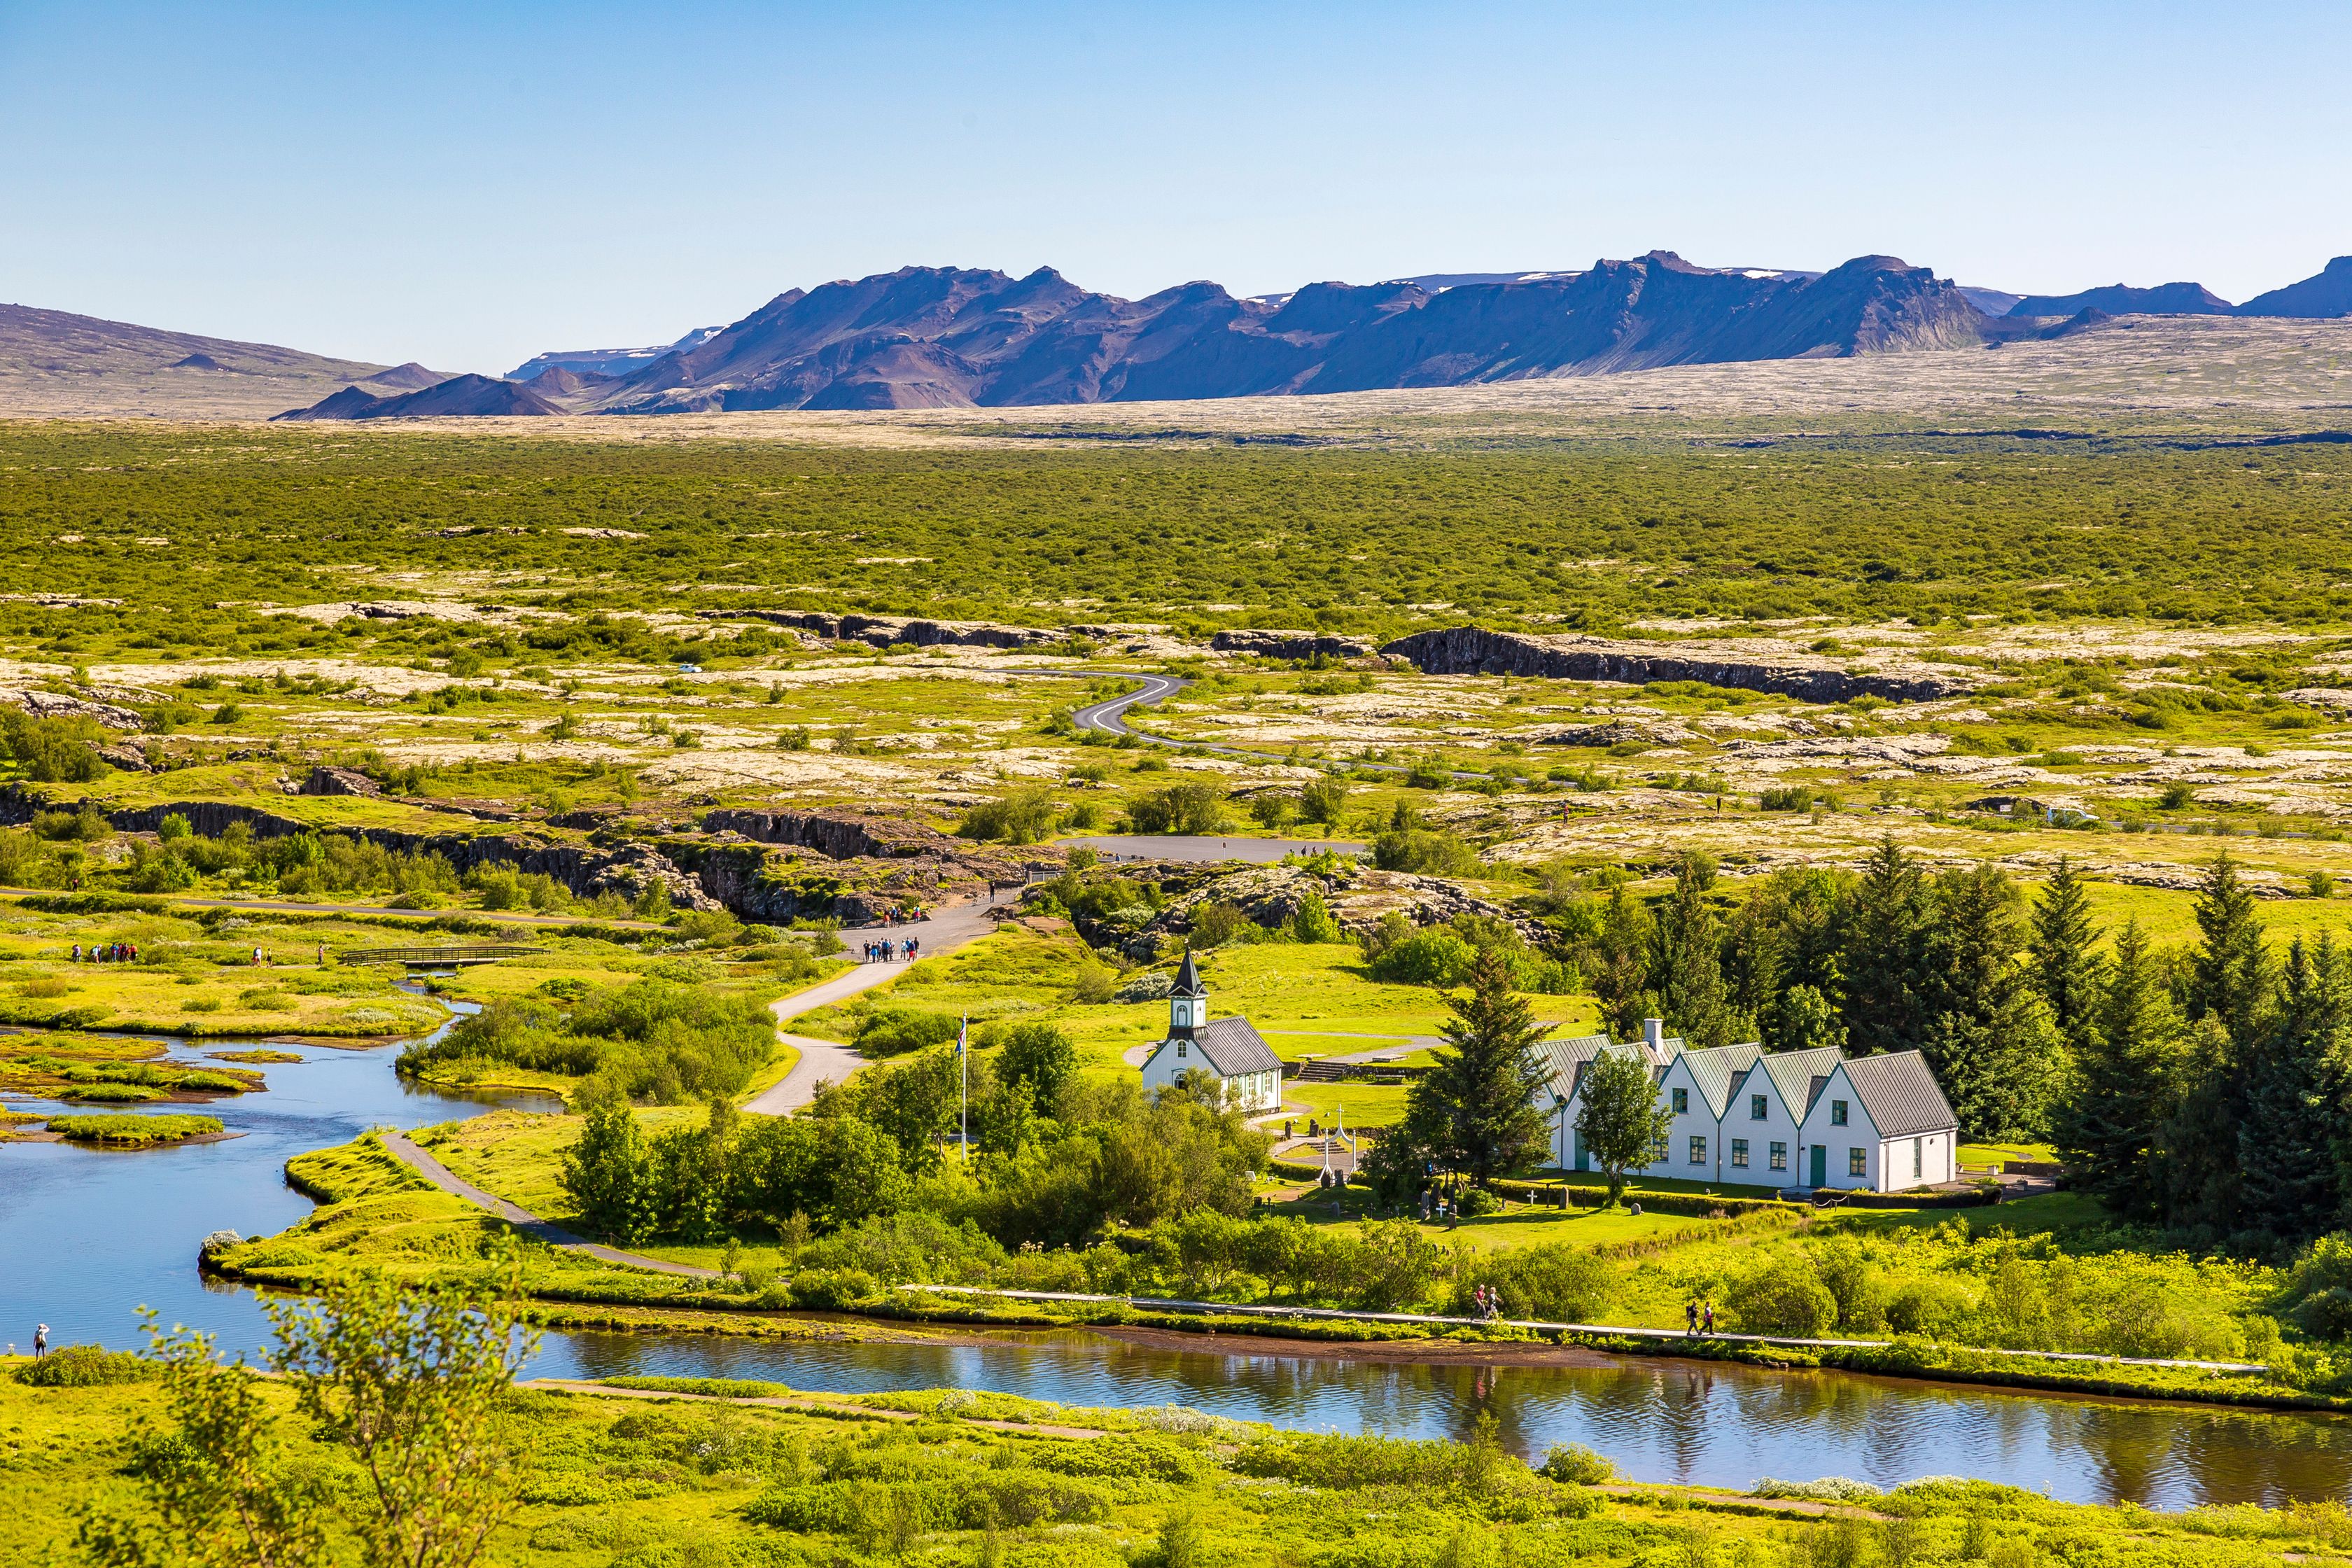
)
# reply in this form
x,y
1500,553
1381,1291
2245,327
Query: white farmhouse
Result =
x,y
1228,1049
1879,1124
1741,1116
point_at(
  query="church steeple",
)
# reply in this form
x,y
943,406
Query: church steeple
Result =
x,y
1188,999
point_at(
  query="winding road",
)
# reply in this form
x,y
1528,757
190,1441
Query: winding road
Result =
x,y
1108,717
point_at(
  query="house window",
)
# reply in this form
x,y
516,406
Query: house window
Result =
x,y
1780,1156
1740,1152
1179,1050
1698,1152
1681,1100
1857,1163
1755,1108
1837,1112
1918,1158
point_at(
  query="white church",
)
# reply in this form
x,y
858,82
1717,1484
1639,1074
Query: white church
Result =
x,y
1228,1049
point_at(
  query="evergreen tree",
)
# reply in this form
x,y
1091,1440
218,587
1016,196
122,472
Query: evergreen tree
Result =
x,y
1990,1039
2289,1140
2229,979
610,1176
2067,969
1886,935
1618,961
1686,965
2197,1171
1476,1105
2107,1125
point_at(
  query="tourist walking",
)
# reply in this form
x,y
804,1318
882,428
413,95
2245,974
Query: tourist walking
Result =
x,y
1690,1317
40,1341
1708,1317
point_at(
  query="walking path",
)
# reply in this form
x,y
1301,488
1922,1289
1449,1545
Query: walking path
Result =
x,y
288,907
522,1219
828,1061
821,1061
1432,1320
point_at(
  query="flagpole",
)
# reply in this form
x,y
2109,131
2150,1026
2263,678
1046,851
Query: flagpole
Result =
x,y
963,1055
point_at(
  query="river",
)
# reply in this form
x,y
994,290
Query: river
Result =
x,y
87,1236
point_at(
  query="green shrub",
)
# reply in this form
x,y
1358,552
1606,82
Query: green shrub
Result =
x,y
1783,1297
85,1366
1439,955
1576,1464
1431,852
833,1289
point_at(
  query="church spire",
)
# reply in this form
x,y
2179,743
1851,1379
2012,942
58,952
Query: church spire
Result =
x,y
1188,999
1188,978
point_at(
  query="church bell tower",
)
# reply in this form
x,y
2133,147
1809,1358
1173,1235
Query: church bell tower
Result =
x,y
1187,1001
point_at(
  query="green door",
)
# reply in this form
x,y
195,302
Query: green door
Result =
x,y
1583,1162
1820,1165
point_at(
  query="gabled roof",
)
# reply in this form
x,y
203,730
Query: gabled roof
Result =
x,y
1562,1062
1798,1075
1188,980
1716,1069
1230,1047
1900,1094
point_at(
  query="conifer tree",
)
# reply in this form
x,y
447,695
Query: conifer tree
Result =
x,y
2290,1185
1685,960
2230,978
1618,961
2108,1122
2067,969
1886,934
1476,1105
2199,1168
1989,1037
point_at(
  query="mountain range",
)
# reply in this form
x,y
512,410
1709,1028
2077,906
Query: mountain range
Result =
x,y
953,337
939,337
928,337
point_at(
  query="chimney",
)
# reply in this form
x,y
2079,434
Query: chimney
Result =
x,y
1654,1033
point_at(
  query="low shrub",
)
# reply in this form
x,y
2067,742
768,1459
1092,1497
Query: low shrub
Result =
x,y
85,1366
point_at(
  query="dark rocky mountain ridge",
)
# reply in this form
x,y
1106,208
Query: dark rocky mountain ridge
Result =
x,y
458,396
951,337
2123,300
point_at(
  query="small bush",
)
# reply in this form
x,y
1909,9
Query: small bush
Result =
x,y
1576,1464
85,1366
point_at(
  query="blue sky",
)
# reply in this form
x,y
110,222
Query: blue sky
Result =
x,y
466,184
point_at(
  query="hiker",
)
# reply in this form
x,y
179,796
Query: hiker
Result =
x,y
1709,1317
40,1341
256,958
1690,1318
322,955
77,952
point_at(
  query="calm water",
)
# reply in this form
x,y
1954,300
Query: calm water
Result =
x,y
86,1237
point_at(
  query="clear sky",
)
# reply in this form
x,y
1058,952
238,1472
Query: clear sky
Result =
x,y
468,184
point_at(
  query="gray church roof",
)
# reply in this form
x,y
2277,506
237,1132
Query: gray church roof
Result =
x,y
1232,1046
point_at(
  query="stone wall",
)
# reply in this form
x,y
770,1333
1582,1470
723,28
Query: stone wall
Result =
x,y
1473,650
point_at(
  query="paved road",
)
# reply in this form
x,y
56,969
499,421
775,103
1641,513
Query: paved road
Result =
x,y
826,1061
522,1219
1202,850
1108,717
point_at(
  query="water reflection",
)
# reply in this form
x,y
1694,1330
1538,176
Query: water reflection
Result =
x,y
1660,1420
86,1235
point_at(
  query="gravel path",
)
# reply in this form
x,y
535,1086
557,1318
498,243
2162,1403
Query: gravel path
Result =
x,y
828,1061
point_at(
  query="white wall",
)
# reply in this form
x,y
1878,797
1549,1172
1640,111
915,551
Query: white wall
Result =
x,y
1697,1121
1251,1092
1777,1127
1857,1133
1935,1154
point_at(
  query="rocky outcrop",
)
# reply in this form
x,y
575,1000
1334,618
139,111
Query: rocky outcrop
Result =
x,y
1290,645
1474,650
58,705
884,631
325,780
837,836
1617,732
1358,897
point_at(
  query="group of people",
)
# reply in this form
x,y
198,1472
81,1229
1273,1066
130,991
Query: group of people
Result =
x,y
1488,1302
1699,1316
108,953
883,949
